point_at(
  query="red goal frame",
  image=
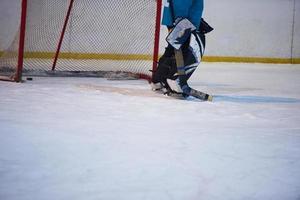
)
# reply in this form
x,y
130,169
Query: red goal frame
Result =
x,y
19,68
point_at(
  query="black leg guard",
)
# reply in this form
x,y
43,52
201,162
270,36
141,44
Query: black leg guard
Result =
x,y
166,66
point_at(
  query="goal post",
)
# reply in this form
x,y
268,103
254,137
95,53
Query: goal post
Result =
x,y
18,76
83,36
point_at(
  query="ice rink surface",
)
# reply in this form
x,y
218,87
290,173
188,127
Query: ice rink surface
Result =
x,y
95,139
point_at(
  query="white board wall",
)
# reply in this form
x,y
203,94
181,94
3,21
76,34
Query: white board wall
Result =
x,y
256,28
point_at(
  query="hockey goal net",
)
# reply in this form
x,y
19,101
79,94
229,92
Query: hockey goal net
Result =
x,y
82,35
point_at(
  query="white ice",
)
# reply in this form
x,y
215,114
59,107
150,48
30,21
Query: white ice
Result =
x,y
60,140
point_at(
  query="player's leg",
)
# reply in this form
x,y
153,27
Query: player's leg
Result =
x,y
166,68
187,59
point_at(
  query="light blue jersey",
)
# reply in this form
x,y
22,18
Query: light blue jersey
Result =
x,y
190,9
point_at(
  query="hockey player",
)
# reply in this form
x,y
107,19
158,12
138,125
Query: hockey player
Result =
x,y
176,66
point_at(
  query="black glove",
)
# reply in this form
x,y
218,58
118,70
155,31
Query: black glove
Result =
x,y
204,27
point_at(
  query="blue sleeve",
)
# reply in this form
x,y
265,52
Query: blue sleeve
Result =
x,y
195,12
